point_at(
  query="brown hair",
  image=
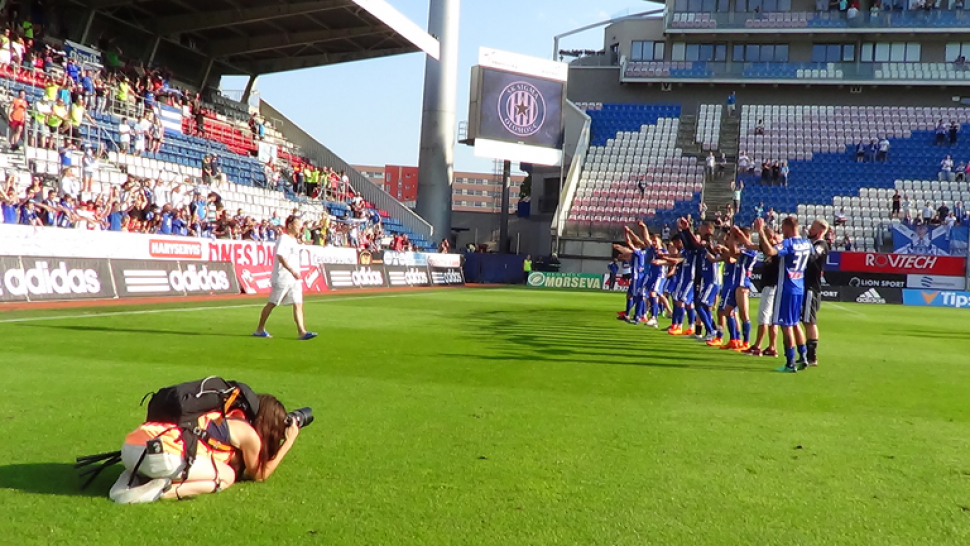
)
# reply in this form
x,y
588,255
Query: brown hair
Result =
x,y
270,425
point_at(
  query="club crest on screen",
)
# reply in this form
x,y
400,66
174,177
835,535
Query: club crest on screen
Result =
x,y
522,109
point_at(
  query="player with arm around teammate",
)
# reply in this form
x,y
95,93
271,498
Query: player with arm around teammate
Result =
x,y
769,282
286,281
813,287
636,253
707,275
794,254
747,256
727,254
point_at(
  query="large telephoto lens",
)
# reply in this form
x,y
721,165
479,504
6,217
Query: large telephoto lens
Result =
x,y
302,417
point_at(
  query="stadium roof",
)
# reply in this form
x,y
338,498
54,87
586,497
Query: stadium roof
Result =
x,y
264,36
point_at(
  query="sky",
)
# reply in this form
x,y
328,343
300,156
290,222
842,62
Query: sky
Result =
x,y
369,112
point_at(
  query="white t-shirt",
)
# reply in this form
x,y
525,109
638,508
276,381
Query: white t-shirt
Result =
x,y
124,132
69,185
289,250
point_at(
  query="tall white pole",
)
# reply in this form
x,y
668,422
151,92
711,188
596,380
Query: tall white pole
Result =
x,y
436,162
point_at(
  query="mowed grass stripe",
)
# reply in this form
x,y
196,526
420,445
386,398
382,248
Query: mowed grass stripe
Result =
x,y
508,417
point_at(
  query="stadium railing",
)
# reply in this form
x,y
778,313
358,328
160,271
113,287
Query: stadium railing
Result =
x,y
575,167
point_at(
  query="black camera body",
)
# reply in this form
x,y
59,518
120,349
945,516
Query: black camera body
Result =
x,y
302,417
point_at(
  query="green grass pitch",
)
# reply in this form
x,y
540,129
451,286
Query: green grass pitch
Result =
x,y
503,417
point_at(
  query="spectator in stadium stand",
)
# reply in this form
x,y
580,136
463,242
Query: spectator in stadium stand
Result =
x,y
444,247
872,150
771,217
17,117
89,166
940,133
942,212
702,210
709,164
860,152
840,217
157,134
736,189
907,205
783,172
927,213
29,216
69,184
78,115
954,130
124,135
526,268
847,243
759,210
58,122
759,128
946,169
9,202
896,205
721,165
765,173
198,111
731,103
743,162
960,172
883,152
959,212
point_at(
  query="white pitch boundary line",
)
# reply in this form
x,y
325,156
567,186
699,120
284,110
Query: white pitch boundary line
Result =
x,y
191,309
846,309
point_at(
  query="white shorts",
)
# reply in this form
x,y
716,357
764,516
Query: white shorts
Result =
x,y
289,294
766,309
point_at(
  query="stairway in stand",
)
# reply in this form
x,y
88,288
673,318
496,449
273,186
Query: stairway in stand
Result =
x,y
717,191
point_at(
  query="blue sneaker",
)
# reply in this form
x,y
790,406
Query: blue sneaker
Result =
x,y
264,333
308,335
786,369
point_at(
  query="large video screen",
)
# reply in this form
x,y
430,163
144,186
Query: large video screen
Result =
x,y
521,109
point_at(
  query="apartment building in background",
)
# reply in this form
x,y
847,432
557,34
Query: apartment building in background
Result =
x,y
472,192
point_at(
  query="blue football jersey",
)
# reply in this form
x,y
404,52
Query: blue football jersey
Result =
x,y
636,265
709,270
730,275
746,262
794,254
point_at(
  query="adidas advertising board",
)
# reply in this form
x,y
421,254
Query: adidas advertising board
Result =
x,y
54,279
447,276
342,277
871,295
407,276
142,278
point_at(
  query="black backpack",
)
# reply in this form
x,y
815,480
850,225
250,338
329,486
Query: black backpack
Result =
x,y
182,405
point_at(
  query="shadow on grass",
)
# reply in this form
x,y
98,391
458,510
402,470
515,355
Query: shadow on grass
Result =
x,y
118,329
55,479
571,335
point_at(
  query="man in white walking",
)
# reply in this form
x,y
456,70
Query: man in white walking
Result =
x,y
287,285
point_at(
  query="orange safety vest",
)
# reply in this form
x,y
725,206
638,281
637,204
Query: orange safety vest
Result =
x,y
216,445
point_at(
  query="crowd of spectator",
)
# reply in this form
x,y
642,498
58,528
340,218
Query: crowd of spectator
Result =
x,y
772,173
877,150
186,207
165,205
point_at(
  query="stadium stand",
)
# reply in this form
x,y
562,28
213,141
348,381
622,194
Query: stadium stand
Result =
x,y
633,146
821,143
255,191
